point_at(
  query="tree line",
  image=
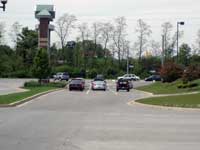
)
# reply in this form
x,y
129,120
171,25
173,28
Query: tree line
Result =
x,y
100,48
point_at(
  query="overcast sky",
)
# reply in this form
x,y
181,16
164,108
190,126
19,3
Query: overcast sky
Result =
x,y
154,12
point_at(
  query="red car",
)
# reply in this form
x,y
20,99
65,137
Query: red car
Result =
x,y
77,84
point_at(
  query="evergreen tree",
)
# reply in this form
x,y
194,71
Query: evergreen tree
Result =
x,y
41,67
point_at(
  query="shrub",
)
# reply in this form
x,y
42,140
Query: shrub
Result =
x,y
92,73
171,72
111,73
32,84
51,84
188,85
64,68
191,73
191,85
76,73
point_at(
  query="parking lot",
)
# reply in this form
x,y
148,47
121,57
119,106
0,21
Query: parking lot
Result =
x,y
8,86
96,120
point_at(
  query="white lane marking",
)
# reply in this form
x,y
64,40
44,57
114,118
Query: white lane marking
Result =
x,y
113,91
88,91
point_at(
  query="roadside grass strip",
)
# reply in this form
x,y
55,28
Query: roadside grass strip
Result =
x,y
183,101
16,97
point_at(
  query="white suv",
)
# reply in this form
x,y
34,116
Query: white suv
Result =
x,y
132,77
61,76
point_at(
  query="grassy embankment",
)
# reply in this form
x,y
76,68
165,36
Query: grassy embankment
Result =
x,y
186,101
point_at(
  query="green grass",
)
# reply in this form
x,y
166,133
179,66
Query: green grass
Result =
x,y
168,88
10,98
186,101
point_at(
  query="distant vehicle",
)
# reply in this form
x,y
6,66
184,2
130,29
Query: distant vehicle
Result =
x,y
99,85
154,78
61,76
132,77
77,84
99,77
123,84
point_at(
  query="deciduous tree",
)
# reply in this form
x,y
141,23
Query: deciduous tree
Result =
x,y
64,25
144,31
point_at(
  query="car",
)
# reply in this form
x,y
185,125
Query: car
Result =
x,y
76,84
99,85
99,77
123,84
132,77
154,78
61,76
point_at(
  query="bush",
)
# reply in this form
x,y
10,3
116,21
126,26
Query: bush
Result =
x,y
171,72
76,73
20,74
32,84
51,84
92,73
64,68
191,73
188,85
111,73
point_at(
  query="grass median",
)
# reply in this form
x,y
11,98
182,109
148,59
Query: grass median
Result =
x,y
185,101
33,89
169,88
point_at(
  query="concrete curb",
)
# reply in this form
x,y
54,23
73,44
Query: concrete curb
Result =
x,y
28,98
132,103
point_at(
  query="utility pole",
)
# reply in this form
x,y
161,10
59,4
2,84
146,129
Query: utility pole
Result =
x,y
127,61
178,23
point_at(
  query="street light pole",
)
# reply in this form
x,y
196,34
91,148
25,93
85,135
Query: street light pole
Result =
x,y
127,61
178,23
4,2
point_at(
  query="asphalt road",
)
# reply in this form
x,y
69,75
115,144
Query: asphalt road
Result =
x,y
97,120
8,86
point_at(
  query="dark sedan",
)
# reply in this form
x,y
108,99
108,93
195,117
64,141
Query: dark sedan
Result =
x,y
154,78
76,84
123,84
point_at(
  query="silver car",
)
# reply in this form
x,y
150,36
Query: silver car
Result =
x,y
99,85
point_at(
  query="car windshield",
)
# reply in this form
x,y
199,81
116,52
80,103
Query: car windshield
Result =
x,y
98,82
76,81
98,79
122,80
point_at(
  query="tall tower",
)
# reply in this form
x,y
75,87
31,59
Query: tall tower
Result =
x,y
45,14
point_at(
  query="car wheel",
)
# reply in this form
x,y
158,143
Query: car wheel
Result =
x,y
128,90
